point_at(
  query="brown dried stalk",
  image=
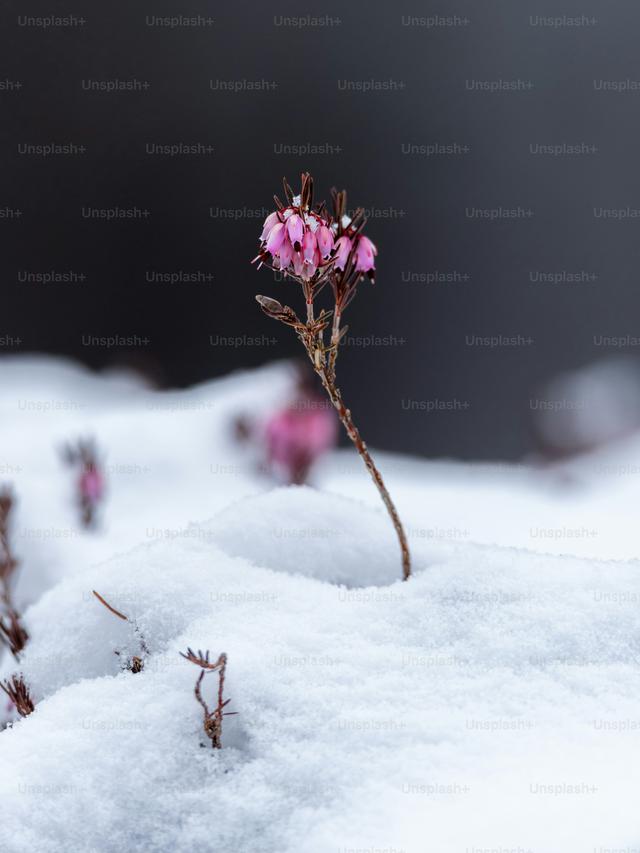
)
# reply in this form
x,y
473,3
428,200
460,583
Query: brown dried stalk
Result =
x,y
135,663
212,719
18,693
323,359
12,633
7,562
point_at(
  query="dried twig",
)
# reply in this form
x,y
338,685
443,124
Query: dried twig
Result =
x,y
7,562
136,662
12,633
18,692
212,719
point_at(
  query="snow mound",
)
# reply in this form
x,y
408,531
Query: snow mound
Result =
x,y
487,703
303,531
154,446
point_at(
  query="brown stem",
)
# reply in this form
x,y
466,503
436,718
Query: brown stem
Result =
x,y
335,339
309,300
328,381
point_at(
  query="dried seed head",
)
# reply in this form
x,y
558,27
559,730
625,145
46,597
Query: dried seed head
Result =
x,y
18,692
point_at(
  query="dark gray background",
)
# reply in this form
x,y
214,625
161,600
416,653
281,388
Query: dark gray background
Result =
x,y
421,202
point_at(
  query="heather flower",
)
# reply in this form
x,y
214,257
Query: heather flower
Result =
x,y
295,230
297,240
309,245
298,264
298,435
90,485
277,236
325,241
269,223
315,248
296,438
365,254
295,243
285,255
343,250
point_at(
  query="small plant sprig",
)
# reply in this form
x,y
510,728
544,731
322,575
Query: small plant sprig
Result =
x,y
18,692
313,247
135,663
212,718
13,634
7,562
83,455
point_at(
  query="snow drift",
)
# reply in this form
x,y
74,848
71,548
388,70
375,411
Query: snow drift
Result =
x,y
490,703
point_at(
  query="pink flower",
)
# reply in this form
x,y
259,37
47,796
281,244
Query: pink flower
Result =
x,y
298,264
325,241
298,435
295,229
300,240
271,220
309,270
276,238
343,248
91,485
285,254
309,244
365,254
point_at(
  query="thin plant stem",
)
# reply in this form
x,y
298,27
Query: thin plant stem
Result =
x,y
335,342
327,377
309,300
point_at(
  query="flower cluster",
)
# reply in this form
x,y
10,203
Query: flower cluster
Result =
x,y
364,252
309,244
297,240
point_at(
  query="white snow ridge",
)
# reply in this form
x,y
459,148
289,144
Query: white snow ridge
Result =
x,y
490,703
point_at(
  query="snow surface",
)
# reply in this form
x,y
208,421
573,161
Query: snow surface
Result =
x,y
490,703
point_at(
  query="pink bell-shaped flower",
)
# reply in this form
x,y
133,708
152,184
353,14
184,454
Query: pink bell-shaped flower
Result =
x,y
325,241
298,263
276,238
309,245
285,254
295,230
270,222
343,248
365,254
91,485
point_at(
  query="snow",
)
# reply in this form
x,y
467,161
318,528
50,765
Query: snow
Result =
x,y
490,703
303,531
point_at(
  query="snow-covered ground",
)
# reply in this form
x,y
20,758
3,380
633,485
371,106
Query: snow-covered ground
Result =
x,y
490,703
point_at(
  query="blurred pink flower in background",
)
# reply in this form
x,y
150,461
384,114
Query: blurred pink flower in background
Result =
x,y
298,435
91,484
293,437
